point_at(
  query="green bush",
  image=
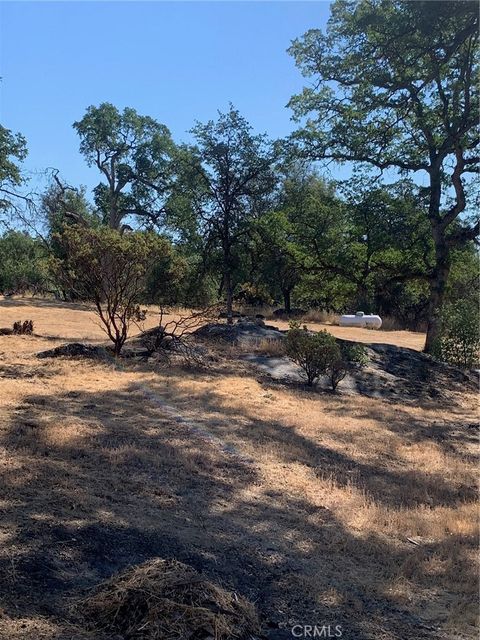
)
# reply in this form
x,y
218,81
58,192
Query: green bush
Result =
x,y
23,265
313,352
320,354
459,342
355,354
111,270
352,356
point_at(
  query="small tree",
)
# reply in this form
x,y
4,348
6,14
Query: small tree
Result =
x,y
110,269
234,180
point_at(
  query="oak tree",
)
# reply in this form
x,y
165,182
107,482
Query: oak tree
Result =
x,y
395,86
134,155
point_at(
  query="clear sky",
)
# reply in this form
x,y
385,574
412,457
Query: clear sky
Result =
x,y
175,61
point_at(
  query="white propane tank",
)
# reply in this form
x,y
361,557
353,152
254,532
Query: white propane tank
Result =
x,y
361,319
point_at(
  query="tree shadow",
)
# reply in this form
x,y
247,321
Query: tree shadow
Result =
x,y
96,481
387,486
43,303
454,435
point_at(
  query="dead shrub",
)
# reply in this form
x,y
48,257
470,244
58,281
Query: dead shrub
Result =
x,y
24,328
389,323
322,317
168,600
274,348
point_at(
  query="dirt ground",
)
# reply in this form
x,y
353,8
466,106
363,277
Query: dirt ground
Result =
x,y
322,510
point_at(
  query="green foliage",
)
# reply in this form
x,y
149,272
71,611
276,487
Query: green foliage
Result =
x,y
355,354
350,356
320,354
387,97
63,205
23,263
134,155
315,353
111,269
382,94
231,186
13,150
276,255
253,294
167,277
459,341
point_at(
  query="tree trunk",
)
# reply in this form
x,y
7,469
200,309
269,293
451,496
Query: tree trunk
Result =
x,y
287,303
112,213
229,297
438,283
363,296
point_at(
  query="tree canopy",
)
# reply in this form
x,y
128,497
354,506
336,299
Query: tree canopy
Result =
x,y
13,150
395,85
134,154
234,180
392,91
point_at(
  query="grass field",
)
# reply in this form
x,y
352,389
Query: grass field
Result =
x,y
321,509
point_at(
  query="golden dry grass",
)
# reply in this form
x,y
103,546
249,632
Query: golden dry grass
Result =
x,y
363,511
78,322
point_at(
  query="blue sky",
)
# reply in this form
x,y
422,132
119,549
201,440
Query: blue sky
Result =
x,y
175,61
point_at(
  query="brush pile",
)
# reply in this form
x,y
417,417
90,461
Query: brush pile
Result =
x,y
168,600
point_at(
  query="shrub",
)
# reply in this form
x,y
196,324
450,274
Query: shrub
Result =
x,y
320,354
352,356
459,341
24,328
313,352
355,354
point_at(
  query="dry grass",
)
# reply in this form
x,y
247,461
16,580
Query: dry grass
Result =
x,y
363,511
320,317
168,600
267,346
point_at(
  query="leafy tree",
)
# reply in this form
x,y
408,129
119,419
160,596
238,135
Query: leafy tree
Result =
x,y
62,204
320,229
464,275
277,258
395,87
349,356
388,241
110,269
232,182
134,154
13,150
23,264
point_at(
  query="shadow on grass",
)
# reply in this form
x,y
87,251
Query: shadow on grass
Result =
x,y
43,303
94,482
